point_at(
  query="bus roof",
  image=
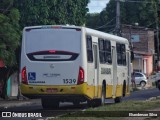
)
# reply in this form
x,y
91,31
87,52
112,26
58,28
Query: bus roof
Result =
x,y
106,36
87,30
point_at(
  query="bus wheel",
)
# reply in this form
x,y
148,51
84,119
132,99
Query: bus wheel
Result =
x,y
45,103
117,99
158,85
101,101
55,104
76,103
94,102
103,96
89,103
49,103
124,89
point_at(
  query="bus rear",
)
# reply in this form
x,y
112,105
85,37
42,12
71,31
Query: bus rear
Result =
x,y
51,64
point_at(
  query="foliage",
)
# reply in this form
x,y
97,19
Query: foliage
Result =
x,y
16,14
38,12
93,20
139,12
9,31
143,12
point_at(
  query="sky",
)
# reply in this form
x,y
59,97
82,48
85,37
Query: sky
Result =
x,y
96,6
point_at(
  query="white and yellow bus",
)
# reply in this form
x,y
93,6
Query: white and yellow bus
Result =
x,y
73,64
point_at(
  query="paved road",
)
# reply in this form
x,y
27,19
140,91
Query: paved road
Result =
x,y
143,94
67,107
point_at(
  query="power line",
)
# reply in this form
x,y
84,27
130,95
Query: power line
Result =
x,y
122,1
113,30
150,24
137,1
97,6
99,0
105,24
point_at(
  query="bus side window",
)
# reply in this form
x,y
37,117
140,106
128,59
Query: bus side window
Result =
x,y
121,54
101,50
104,51
89,49
108,52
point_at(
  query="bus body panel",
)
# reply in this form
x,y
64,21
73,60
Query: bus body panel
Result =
x,y
34,91
54,55
51,56
44,74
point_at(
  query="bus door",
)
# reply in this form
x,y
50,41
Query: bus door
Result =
x,y
115,80
95,53
128,71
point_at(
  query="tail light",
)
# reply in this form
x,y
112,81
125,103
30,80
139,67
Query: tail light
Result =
x,y
80,76
24,76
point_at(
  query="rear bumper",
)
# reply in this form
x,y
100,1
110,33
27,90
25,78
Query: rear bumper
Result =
x,y
66,93
60,98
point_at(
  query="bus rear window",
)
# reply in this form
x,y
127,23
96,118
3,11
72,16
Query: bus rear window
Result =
x,y
38,40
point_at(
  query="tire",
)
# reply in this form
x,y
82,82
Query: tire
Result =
x,y
76,103
49,103
158,85
94,103
98,102
142,83
124,89
101,101
103,96
89,103
118,100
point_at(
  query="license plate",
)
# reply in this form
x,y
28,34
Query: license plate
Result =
x,y
51,90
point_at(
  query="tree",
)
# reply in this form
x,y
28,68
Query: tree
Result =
x,y
42,12
9,40
93,20
9,31
142,12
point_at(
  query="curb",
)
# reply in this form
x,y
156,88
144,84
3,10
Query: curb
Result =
x,y
153,98
14,103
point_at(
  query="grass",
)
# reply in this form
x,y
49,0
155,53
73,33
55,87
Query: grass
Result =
x,y
100,113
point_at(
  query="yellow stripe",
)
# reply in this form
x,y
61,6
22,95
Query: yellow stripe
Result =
x,y
119,90
90,91
61,89
82,89
109,89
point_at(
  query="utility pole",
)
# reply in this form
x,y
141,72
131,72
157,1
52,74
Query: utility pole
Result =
x,y
157,33
118,18
157,36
